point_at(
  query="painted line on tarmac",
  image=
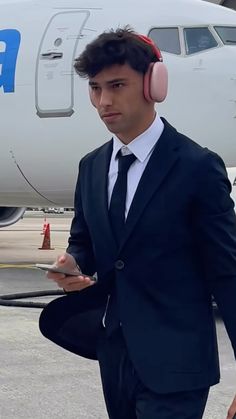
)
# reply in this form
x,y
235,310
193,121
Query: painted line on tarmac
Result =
x,y
6,266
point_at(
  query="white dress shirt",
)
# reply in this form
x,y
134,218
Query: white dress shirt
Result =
x,y
142,147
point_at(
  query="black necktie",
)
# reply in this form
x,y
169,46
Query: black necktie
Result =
x,y
118,198
117,218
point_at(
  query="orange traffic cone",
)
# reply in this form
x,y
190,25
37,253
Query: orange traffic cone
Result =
x,y
46,239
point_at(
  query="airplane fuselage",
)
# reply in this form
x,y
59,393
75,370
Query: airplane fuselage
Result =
x,y
47,121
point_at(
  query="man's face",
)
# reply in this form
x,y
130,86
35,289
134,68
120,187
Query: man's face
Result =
x,y
117,94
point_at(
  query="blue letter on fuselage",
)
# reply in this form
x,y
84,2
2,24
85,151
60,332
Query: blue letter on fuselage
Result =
x,y
11,38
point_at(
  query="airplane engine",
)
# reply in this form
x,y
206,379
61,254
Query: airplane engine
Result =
x,y
10,215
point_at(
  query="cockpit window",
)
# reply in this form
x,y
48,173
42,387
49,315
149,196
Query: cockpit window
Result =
x,y
198,39
227,34
166,39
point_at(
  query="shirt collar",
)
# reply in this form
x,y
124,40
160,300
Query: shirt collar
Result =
x,y
142,145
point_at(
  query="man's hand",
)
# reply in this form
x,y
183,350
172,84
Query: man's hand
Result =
x,y
69,283
232,410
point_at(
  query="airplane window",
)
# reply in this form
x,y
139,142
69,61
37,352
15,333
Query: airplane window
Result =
x,y
227,34
167,39
198,39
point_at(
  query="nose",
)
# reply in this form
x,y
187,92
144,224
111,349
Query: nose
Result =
x,y
105,98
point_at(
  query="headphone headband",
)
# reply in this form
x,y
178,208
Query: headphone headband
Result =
x,y
150,42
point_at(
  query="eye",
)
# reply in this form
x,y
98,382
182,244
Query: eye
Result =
x,y
94,88
117,85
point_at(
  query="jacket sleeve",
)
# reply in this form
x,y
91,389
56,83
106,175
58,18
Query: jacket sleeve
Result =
x,y
80,244
216,235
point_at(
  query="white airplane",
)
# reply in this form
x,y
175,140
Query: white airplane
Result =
x,y
47,122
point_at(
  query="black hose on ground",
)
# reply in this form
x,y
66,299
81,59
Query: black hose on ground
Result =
x,y
11,299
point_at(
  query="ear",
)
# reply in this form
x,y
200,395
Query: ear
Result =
x,y
155,84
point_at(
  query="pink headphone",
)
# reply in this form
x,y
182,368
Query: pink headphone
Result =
x,y
155,85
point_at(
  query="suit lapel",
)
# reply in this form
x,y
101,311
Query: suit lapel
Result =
x,y
161,161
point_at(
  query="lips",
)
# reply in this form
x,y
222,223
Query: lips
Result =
x,y
110,116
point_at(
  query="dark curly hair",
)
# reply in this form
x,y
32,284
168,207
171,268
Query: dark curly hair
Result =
x,y
120,46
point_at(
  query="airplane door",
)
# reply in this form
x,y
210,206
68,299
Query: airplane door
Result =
x,y
54,95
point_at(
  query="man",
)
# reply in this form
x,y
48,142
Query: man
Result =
x,y
160,261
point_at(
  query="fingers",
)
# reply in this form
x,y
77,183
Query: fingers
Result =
x,y
61,259
71,283
65,264
66,258
54,276
67,282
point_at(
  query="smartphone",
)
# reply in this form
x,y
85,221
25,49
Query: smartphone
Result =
x,y
55,269
61,270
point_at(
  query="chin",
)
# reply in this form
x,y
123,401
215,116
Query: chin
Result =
x,y
112,129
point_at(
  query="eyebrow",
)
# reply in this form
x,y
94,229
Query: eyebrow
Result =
x,y
94,83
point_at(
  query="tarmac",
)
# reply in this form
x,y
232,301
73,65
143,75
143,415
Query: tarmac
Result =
x,y
38,379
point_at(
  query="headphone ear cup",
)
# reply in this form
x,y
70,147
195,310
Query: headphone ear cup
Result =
x,y
155,84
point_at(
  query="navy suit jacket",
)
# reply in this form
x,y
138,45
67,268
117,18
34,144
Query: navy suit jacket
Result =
x,y
178,249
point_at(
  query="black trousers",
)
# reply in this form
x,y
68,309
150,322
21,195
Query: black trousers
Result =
x,y
127,398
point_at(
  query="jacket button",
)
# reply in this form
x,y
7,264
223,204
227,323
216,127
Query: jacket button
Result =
x,y
119,265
